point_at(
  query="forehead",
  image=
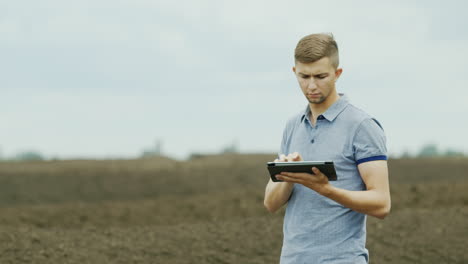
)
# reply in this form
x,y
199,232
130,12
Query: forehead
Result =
x,y
316,67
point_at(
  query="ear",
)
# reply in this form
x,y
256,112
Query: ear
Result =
x,y
294,69
338,73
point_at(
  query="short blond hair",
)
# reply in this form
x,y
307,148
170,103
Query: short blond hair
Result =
x,y
314,47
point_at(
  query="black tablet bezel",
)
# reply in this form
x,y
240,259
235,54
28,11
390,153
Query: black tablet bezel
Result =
x,y
326,167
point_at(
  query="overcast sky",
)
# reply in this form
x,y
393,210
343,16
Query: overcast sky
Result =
x,y
102,78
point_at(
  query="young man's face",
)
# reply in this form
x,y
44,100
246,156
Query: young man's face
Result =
x,y
317,79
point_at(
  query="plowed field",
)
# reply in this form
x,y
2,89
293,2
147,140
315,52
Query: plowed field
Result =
x,y
207,210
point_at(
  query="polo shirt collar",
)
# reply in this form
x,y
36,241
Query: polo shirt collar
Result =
x,y
333,111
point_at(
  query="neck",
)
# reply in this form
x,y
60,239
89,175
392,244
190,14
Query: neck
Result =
x,y
318,109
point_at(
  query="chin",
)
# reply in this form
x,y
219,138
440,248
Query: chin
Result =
x,y
317,101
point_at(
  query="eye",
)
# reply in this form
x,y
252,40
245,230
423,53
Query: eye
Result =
x,y
323,76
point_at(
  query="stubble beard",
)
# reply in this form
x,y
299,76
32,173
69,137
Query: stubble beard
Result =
x,y
318,100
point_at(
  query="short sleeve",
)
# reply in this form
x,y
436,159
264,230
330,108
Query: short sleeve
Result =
x,y
369,142
284,147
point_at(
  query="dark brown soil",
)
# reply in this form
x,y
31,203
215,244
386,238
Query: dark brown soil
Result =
x,y
207,210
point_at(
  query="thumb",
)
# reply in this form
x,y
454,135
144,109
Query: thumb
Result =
x,y
297,156
316,171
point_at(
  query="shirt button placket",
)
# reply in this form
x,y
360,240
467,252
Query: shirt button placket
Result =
x,y
315,128
314,131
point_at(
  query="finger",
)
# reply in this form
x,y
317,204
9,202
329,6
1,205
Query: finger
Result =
x,y
288,179
276,160
304,178
293,156
297,156
316,171
319,174
296,175
282,157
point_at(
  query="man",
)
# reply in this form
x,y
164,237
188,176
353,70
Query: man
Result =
x,y
325,222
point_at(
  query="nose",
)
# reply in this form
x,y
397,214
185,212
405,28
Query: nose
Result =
x,y
312,84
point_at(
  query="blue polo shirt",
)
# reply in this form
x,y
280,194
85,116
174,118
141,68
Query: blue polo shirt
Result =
x,y
317,229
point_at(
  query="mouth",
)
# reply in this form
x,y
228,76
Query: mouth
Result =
x,y
315,95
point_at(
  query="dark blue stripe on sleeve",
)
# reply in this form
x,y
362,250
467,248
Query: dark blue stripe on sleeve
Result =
x,y
378,123
383,157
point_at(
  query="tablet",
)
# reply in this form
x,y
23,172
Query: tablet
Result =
x,y
326,167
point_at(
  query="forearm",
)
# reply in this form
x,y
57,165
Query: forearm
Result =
x,y
370,202
277,194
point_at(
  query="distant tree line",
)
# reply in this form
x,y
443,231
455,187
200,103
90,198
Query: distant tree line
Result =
x,y
29,155
430,150
155,150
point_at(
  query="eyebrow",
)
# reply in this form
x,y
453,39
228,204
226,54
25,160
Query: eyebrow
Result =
x,y
315,75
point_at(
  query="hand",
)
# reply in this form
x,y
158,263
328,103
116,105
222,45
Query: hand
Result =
x,y
295,156
316,181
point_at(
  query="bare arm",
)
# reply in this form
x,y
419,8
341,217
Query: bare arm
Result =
x,y
374,201
278,193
